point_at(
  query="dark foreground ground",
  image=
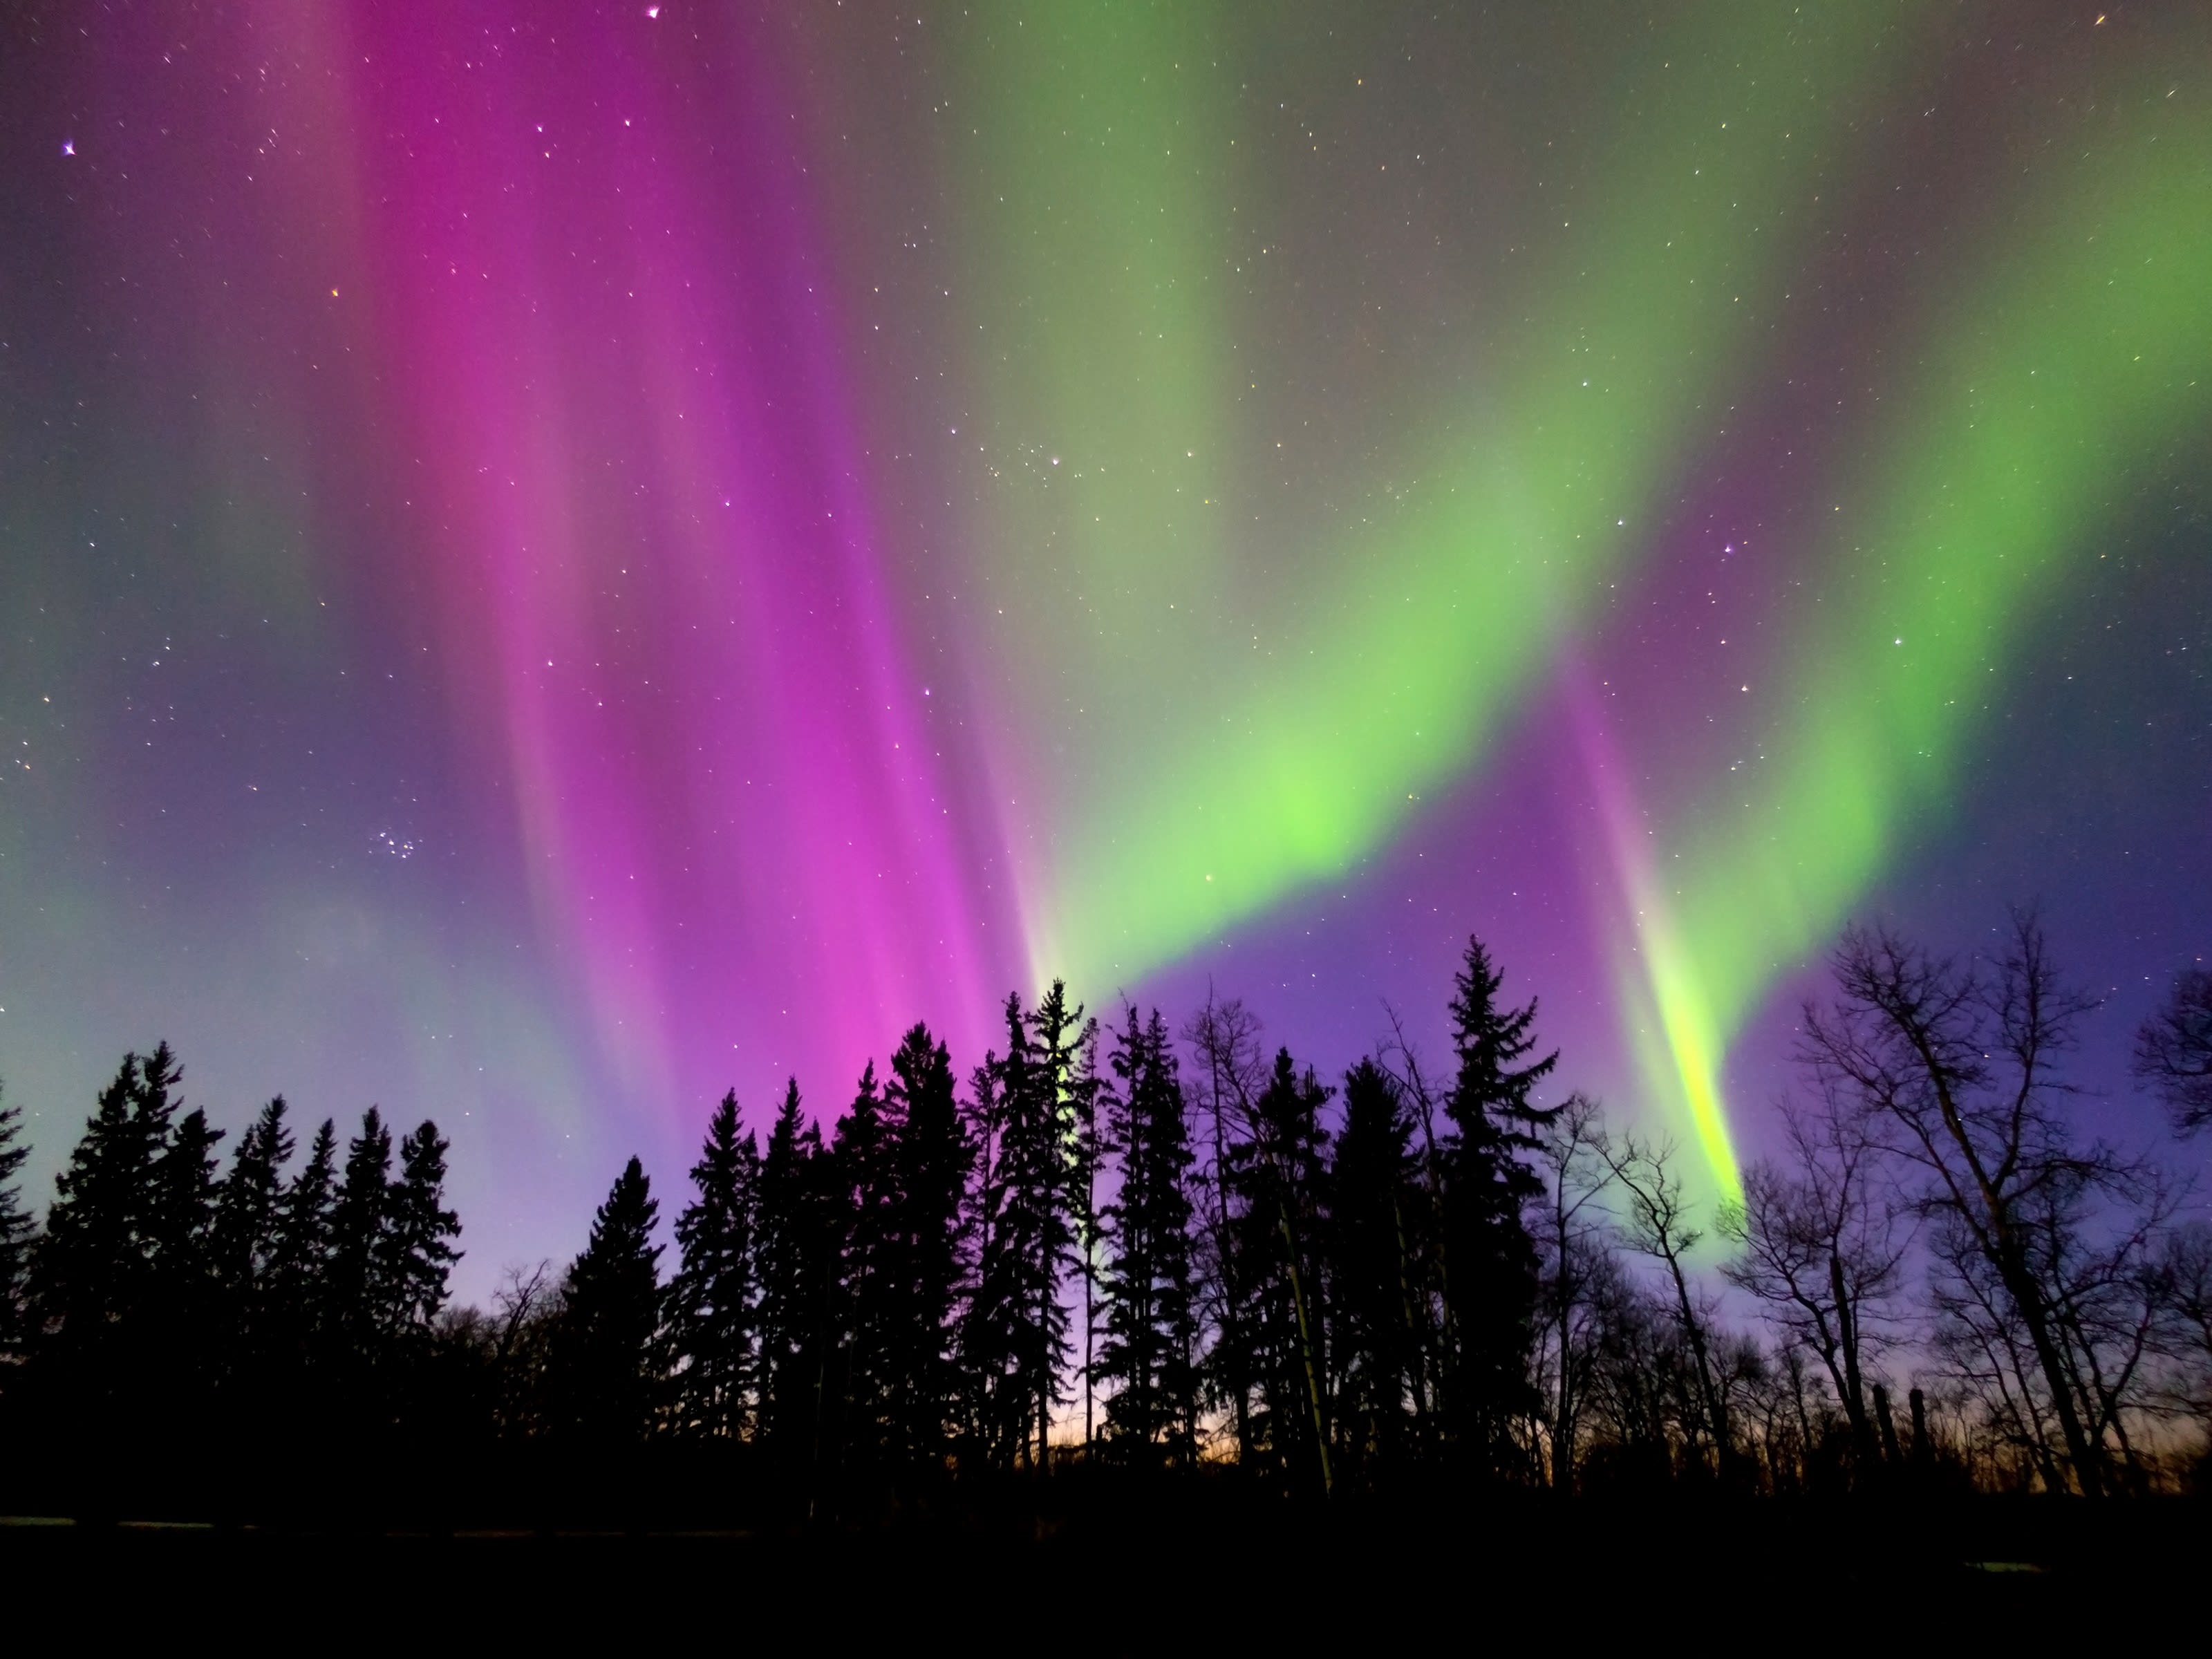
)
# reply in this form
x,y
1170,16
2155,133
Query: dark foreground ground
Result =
x,y
1133,1569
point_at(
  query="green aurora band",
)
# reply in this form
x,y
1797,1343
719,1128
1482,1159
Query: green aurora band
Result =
x,y
1408,652
1113,526
2086,344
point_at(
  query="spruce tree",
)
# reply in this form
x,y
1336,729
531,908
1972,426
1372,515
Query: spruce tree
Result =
x,y
1151,1336
93,1267
360,1217
930,1160
182,1225
416,1253
247,1214
1036,1243
1489,1261
797,1251
1089,1090
870,1308
712,1315
180,1321
993,1415
14,1234
1375,1207
300,1259
605,1379
1278,1176
111,1308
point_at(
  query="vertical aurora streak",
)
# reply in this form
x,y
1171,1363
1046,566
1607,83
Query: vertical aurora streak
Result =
x,y
696,680
2047,385
1655,976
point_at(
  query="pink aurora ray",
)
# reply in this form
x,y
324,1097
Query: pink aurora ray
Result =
x,y
650,549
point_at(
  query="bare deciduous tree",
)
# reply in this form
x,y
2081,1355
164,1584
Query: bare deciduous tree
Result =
x,y
1655,1222
2186,1336
1228,1073
2173,1051
1572,1235
1820,1247
1956,1064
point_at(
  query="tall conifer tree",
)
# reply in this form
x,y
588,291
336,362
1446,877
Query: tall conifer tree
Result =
x,y
605,1377
930,1158
355,1292
94,1269
1151,1336
1278,1175
992,1416
714,1315
15,1233
300,1261
418,1254
1489,1261
247,1213
1036,1241
869,1308
179,1320
798,1270
1375,1202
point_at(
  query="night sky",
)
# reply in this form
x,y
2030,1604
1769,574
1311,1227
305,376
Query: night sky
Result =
x,y
555,559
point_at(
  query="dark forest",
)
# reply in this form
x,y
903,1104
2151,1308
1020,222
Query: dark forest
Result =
x,y
1158,1259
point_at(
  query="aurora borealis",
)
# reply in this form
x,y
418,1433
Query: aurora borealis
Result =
x,y
558,559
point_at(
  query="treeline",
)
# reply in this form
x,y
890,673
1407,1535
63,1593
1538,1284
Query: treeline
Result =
x,y
1123,1245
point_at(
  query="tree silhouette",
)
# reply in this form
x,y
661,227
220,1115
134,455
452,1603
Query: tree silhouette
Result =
x,y
417,1239
15,1232
93,1268
300,1252
248,1213
798,1246
1374,1194
711,1304
2173,1051
1576,1247
1820,1247
1150,1324
1228,1071
1657,1224
1277,1179
993,1415
1957,1063
604,1377
180,1318
355,1292
929,1160
869,1308
1040,1140
1488,1264
1026,1113
1335,1295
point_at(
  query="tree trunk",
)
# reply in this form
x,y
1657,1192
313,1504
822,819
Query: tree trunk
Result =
x,y
1416,1330
1715,1417
1306,1350
1223,1258
1854,1391
2088,1472
2018,1283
